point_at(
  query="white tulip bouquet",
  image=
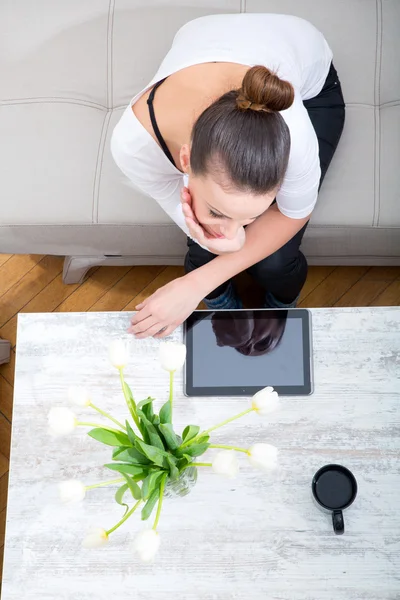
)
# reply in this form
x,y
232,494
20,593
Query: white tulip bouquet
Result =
x,y
148,455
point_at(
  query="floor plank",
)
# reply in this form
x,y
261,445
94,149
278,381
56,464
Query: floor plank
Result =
x,y
316,275
362,293
168,274
333,287
4,258
21,294
1,564
91,290
390,296
3,464
6,398
130,285
52,296
5,436
3,491
15,268
382,274
2,525
8,369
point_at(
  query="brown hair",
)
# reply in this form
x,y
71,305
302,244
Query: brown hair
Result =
x,y
257,335
243,136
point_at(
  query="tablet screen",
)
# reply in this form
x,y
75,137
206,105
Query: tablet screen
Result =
x,y
240,352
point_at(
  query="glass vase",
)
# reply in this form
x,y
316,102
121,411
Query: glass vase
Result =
x,y
183,485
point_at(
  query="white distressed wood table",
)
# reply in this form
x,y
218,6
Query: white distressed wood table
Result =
x,y
254,538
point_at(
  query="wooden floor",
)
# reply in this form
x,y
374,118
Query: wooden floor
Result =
x,y
34,284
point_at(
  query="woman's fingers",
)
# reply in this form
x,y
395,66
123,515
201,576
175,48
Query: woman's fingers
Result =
x,y
142,314
196,230
152,331
165,332
142,324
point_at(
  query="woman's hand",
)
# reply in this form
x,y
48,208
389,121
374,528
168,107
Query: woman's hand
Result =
x,y
166,309
214,245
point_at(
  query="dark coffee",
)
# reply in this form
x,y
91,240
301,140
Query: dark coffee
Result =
x,y
334,489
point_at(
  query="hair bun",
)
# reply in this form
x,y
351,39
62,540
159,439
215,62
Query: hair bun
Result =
x,y
263,91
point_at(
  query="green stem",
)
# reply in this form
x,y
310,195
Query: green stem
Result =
x,y
207,431
104,483
124,518
86,424
197,464
107,415
171,390
130,402
229,448
160,501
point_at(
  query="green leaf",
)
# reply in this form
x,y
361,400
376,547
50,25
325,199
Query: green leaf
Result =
x,y
154,454
150,483
119,494
108,437
184,461
133,486
190,432
154,438
156,420
202,439
139,472
194,450
165,413
131,434
150,504
146,406
173,469
130,455
130,395
169,435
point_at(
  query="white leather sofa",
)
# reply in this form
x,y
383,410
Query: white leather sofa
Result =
x,y
67,71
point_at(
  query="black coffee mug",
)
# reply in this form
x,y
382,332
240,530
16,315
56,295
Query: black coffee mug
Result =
x,y
334,488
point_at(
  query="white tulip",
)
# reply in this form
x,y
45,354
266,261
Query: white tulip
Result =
x,y
78,396
265,401
71,490
61,421
226,463
172,355
263,457
119,353
147,544
95,538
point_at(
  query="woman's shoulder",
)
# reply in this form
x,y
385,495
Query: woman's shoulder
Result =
x,y
140,158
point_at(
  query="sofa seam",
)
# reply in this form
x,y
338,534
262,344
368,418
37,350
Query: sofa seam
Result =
x,y
377,154
110,32
50,99
98,169
243,6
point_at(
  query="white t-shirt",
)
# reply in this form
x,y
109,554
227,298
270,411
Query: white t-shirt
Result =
x,y
292,47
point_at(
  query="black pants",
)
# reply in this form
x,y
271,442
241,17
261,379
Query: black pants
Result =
x,y
284,272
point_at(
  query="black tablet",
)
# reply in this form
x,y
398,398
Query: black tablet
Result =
x,y
239,352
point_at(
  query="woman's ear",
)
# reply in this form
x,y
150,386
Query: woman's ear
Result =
x,y
184,157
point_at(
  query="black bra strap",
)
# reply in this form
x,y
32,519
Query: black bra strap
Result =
x,y
154,122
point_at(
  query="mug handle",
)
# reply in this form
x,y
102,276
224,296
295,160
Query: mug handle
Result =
x,y
338,522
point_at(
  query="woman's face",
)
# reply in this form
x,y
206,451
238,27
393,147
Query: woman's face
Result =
x,y
222,211
219,208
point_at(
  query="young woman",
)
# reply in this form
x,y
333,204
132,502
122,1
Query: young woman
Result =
x,y
233,137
